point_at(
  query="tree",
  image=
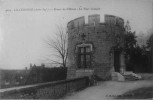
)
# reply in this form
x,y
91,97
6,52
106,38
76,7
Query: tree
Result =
x,y
131,49
59,45
130,39
136,55
150,41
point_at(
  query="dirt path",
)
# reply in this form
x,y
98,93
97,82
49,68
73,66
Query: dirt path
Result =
x,y
109,89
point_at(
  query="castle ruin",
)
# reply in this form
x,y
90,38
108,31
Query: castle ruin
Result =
x,y
95,47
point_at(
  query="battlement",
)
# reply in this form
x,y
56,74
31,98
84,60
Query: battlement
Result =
x,y
110,19
94,20
78,22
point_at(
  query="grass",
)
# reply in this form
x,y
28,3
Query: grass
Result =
x,y
141,93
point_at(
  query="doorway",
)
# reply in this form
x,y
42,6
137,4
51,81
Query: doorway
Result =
x,y
117,61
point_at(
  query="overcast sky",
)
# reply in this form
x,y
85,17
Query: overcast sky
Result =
x,y
22,33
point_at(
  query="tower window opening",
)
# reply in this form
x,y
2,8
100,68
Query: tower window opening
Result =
x,y
84,56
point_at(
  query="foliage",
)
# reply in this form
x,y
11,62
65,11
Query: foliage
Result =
x,y
130,42
36,74
136,56
11,78
44,74
150,41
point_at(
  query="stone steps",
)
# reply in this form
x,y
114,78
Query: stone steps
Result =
x,y
130,78
126,76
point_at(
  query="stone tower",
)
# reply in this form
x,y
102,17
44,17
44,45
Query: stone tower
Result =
x,y
95,47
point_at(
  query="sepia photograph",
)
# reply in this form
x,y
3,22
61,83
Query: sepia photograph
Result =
x,y
76,49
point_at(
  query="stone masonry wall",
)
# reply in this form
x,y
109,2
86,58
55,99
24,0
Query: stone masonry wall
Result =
x,y
103,37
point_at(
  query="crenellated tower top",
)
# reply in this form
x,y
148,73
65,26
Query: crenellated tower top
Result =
x,y
94,20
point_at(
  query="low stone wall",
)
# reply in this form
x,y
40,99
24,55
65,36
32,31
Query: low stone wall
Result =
x,y
50,90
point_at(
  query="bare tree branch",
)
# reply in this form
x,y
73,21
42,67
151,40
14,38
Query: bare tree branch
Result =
x,y
59,45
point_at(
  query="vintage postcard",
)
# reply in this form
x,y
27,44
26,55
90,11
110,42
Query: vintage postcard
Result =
x,y
76,49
